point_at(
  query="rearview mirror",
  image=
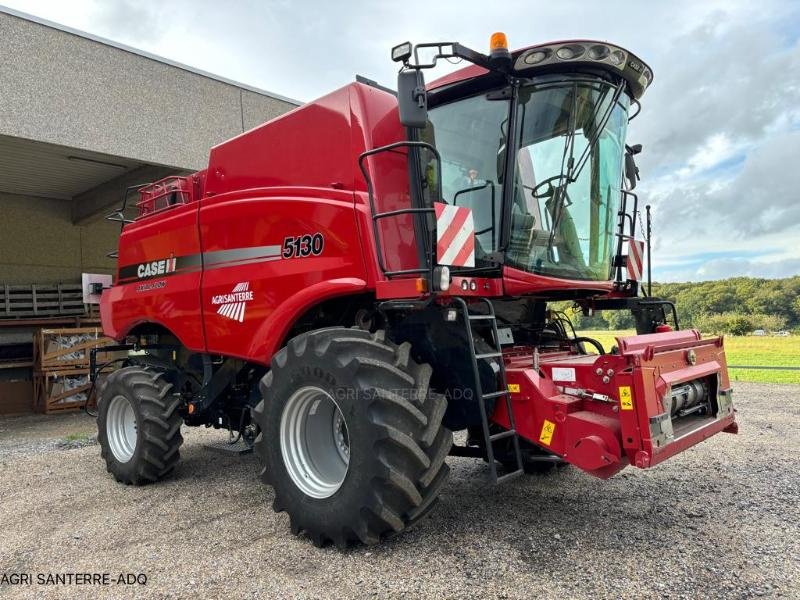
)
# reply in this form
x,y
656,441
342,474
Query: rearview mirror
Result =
x,y
412,99
631,170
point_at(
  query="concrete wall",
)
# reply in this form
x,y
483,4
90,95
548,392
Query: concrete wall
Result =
x,y
39,243
65,89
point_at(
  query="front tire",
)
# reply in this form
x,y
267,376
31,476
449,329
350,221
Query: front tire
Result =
x,y
350,436
138,426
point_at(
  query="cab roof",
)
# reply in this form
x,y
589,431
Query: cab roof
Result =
x,y
566,56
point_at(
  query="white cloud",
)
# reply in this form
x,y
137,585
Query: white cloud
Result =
x,y
715,150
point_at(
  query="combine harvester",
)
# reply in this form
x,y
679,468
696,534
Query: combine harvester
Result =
x,y
349,283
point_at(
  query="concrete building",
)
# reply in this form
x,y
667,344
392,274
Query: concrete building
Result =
x,y
81,119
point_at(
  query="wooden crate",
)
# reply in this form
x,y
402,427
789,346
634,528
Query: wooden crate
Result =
x,y
49,354
41,300
50,393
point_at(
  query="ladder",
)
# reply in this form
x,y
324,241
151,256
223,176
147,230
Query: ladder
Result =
x,y
503,392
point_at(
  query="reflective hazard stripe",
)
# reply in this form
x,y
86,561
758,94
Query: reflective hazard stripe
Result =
x,y
635,259
455,235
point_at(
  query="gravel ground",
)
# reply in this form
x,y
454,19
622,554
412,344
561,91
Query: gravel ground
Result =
x,y
719,520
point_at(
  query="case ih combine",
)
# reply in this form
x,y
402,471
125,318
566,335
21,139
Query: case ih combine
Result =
x,y
347,284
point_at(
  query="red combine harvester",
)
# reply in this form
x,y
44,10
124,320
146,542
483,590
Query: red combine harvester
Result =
x,y
349,283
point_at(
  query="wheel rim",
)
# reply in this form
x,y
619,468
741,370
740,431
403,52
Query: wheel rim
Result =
x,y
315,442
121,429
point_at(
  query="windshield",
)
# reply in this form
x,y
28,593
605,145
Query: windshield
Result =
x,y
567,188
570,141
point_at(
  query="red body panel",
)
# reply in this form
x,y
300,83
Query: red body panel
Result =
x,y
172,301
247,220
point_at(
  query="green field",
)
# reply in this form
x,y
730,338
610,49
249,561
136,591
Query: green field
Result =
x,y
745,350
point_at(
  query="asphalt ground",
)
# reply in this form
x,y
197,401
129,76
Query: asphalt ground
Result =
x,y
720,520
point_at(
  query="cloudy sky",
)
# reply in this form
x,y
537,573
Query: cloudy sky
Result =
x,y
720,125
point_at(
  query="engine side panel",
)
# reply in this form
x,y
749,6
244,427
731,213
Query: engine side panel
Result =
x,y
261,252
158,278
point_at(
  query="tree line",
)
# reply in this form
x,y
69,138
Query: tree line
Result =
x,y
736,306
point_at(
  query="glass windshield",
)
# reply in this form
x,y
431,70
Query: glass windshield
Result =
x,y
570,141
470,136
567,188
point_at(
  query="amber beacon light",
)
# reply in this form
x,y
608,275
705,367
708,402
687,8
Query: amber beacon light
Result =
x,y
499,56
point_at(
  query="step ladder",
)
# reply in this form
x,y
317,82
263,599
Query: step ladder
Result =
x,y
503,392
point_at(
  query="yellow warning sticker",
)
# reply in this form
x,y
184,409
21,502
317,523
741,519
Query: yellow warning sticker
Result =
x,y
513,388
625,397
548,429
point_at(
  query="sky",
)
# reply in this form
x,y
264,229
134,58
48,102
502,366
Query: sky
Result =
x,y
720,125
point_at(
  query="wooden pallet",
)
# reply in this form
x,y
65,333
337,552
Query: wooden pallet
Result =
x,y
50,396
41,300
48,355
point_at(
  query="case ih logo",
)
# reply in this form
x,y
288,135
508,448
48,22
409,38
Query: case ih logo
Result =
x,y
157,267
232,305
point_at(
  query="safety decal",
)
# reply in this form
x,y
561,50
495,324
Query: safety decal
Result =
x,y
513,388
635,259
625,397
455,235
232,306
548,429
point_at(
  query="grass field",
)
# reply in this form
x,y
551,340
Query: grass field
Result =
x,y
744,351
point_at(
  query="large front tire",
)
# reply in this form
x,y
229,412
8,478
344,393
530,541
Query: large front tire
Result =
x,y
350,436
138,426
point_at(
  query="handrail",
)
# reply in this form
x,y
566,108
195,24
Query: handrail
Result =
x,y
493,227
427,250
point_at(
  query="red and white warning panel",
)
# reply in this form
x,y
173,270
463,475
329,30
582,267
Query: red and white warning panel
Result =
x,y
635,259
455,235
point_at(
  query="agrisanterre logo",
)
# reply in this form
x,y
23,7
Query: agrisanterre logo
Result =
x,y
232,306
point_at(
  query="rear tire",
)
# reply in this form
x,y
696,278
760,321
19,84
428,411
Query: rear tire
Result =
x,y
138,426
350,436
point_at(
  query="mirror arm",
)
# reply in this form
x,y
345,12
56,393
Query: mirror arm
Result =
x,y
472,56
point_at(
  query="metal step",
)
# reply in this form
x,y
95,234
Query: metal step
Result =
x,y
480,317
489,355
502,435
491,395
510,476
224,446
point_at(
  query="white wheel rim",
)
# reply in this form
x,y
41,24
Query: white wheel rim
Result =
x,y
121,429
315,443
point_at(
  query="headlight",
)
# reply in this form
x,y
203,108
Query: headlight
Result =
x,y
569,52
402,52
598,52
617,57
534,58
